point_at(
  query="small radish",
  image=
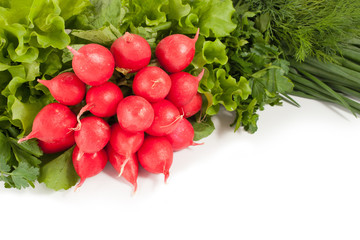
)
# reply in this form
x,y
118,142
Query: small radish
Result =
x,y
93,135
88,164
128,170
66,142
52,123
152,83
131,52
93,64
166,118
66,88
125,142
102,101
135,114
184,87
183,136
156,155
192,107
175,52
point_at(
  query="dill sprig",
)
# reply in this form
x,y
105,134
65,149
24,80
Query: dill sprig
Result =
x,y
310,28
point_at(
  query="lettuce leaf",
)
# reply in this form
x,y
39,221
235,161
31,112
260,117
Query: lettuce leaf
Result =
x,y
32,36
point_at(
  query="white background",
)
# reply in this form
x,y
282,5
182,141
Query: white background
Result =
x,y
297,177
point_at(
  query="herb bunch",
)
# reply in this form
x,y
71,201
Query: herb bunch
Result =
x,y
310,28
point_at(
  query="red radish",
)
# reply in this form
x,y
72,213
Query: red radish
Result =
x,y
156,155
183,136
166,118
102,101
152,83
52,123
125,142
184,87
88,164
192,107
175,52
66,88
66,142
131,52
126,167
135,114
93,135
93,63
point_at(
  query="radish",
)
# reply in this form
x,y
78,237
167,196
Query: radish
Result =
x,y
52,123
66,142
135,114
128,170
166,118
88,164
131,52
183,136
152,83
192,107
125,142
184,87
156,155
74,88
102,101
175,52
93,135
93,63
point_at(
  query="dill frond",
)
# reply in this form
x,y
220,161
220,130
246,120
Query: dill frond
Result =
x,y
311,28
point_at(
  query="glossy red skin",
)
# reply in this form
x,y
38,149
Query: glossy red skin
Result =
x,y
131,168
192,107
52,123
88,164
183,136
125,142
184,87
152,83
65,143
104,98
156,155
166,118
75,88
131,52
93,135
135,114
94,64
175,52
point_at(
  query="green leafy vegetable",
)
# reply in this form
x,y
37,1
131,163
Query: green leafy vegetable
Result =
x,y
202,128
59,173
32,36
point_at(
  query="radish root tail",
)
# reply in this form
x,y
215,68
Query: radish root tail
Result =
x,y
31,135
123,166
196,35
87,107
196,144
178,118
201,74
73,51
79,184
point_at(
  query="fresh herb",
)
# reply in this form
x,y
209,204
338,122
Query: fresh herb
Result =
x,y
337,82
310,28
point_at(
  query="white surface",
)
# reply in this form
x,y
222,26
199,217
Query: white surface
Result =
x,y
298,177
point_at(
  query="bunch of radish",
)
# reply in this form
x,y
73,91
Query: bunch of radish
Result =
x,y
150,122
